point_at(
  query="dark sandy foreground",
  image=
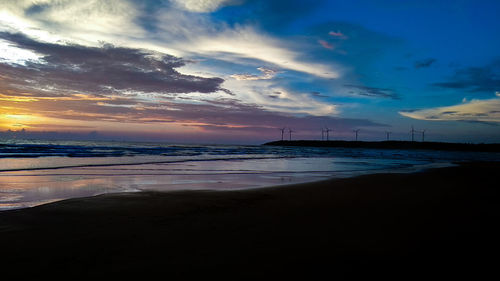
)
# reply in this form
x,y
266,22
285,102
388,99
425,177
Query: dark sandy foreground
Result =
x,y
439,223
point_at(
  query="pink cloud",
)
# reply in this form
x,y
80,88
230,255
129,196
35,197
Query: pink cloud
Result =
x,y
326,44
337,34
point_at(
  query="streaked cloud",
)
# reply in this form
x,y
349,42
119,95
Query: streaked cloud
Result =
x,y
266,75
241,44
359,90
176,32
475,79
325,44
82,22
487,110
337,34
94,87
220,66
70,68
424,63
203,6
225,114
116,84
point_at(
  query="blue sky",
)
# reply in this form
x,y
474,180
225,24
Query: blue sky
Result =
x,y
236,71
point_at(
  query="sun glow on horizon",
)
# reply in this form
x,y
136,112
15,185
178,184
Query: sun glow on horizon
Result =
x,y
17,121
39,123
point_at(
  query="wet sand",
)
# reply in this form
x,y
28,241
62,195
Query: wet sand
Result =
x,y
437,223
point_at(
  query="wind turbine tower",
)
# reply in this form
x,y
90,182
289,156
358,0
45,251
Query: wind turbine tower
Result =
x,y
412,133
356,132
327,130
387,133
290,131
423,135
282,132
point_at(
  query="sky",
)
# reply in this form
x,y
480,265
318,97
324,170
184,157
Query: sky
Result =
x,y
238,71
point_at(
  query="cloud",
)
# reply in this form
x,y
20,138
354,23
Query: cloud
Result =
x,y
371,91
108,84
138,76
244,43
274,96
102,62
318,95
203,6
9,53
213,115
471,111
337,34
79,21
424,63
325,44
266,75
475,79
161,28
360,54
101,70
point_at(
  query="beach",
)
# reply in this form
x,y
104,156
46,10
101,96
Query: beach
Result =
x,y
433,223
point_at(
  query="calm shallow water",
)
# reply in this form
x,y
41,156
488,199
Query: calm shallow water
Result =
x,y
34,173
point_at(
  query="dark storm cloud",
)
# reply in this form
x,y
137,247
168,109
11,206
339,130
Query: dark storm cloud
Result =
x,y
372,91
100,70
475,79
424,63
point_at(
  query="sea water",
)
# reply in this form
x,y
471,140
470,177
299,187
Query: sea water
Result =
x,y
37,172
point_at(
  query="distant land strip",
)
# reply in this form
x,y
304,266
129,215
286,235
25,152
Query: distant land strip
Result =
x,y
449,146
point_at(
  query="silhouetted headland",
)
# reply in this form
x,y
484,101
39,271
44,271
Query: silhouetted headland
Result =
x,y
449,146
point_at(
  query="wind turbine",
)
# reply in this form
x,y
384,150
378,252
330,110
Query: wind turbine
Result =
x,y
356,131
327,130
282,132
412,131
322,134
423,135
290,131
388,134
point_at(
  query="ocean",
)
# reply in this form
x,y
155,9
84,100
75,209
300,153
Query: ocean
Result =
x,y
34,172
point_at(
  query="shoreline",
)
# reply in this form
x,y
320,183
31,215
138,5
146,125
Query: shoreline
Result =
x,y
310,178
440,219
